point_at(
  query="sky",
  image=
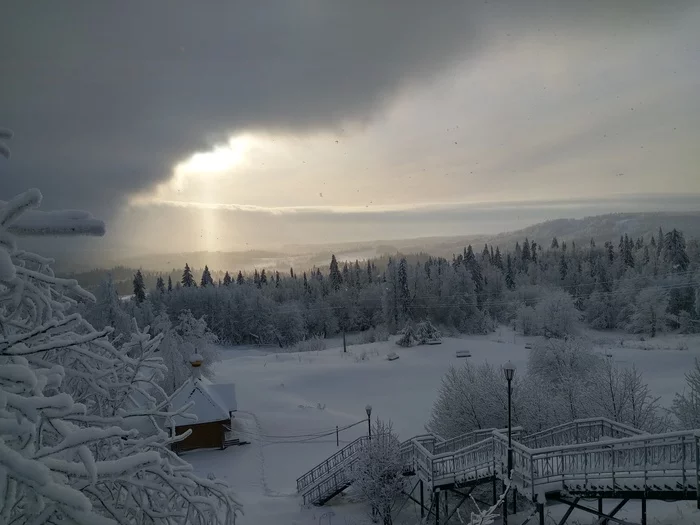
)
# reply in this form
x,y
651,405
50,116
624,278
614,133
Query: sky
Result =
x,y
235,125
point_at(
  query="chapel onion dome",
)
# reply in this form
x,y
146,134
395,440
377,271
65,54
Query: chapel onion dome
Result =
x,y
196,360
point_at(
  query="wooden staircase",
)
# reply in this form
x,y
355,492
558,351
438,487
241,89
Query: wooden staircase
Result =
x,y
593,457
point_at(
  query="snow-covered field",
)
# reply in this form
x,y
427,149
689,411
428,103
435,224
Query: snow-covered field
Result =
x,y
286,400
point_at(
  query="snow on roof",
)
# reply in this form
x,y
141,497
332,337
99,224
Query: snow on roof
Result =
x,y
226,394
211,402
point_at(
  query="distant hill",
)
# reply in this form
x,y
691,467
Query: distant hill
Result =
x,y
600,228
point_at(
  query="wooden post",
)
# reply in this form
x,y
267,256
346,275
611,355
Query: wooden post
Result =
x,y
422,507
540,511
493,488
644,510
447,510
697,471
337,437
515,500
436,498
345,348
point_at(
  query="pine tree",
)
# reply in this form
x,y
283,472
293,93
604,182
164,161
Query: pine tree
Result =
x,y
256,278
335,277
170,284
291,273
674,251
263,277
139,287
468,254
510,282
277,279
555,243
306,283
491,255
206,278
369,272
533,251
160,284
240,279
611,251
227,279
486,255
404,294
660,243
563,267
526,251
347,278
497,259
187,278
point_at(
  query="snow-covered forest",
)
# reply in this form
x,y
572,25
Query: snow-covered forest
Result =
x,y
645,286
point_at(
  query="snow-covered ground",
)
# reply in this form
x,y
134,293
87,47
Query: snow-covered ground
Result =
x,y
286,400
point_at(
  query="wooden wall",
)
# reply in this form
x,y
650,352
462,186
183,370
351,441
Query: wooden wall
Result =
x,y
204,435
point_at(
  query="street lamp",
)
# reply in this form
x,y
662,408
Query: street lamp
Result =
x,y
509,372
368,409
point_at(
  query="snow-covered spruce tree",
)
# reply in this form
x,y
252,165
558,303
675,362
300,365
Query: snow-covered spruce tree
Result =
x,y
378,473
108,309
425,332
408,336
179,342
71,404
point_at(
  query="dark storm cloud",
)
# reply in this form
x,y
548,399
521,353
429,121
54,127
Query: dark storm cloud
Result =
x,y
104,97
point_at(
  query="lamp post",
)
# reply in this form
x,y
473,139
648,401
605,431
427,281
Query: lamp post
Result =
x,y
509,372
368,409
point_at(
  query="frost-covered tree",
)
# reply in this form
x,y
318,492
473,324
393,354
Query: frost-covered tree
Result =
x,y
160,285
570,369
180,341
686,404
108,309
649,311
74,408
622,395
170,284
556,314
378,473
227,279
470,397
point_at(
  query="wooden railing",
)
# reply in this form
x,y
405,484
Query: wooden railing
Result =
x,y
332,464
470,438
582,455
664,461
330,486
579,431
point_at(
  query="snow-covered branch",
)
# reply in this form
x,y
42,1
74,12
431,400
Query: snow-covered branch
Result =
x,y
82,421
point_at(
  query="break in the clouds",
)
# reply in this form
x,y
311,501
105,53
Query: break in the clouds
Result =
x,y
180,107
